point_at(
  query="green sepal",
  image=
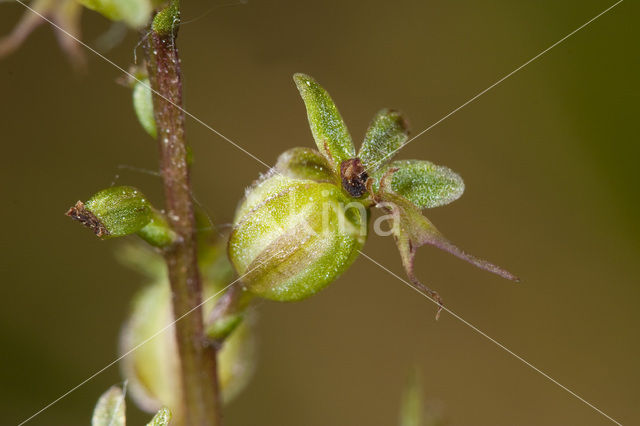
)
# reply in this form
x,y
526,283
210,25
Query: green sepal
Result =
x,y
328,128
167,20
157,231
143,106
110,409
412,230
423,183
135,13
305,163
228,313
162,418
223,327
387,133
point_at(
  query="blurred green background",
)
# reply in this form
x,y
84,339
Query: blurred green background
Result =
x,y
549,158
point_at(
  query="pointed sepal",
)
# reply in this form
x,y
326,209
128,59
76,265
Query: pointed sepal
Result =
x,y
328,128
110,409
412,230
305,163
423,183
162,418
387,133
143,106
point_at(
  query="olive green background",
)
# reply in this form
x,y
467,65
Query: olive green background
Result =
x,y
549,158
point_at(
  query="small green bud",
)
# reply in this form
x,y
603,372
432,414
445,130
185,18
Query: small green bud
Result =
x,y
120,211
110,409
135,13
292,237
143,106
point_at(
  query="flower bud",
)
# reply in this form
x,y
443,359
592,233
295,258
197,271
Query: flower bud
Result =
x,y
120,211
292,237
153,368
113,212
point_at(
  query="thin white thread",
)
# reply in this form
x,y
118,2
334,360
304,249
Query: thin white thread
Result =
x,y
141,170
372,260
77,40
495,84
494,341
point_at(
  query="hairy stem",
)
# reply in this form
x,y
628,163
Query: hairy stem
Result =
x,y
200,387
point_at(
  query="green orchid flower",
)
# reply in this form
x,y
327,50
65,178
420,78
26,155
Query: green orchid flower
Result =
x,y
305,221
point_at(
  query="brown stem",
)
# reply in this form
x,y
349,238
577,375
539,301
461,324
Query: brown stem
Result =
x,y
200,387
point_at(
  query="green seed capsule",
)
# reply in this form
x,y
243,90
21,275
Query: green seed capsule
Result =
x,y
304,222
294,236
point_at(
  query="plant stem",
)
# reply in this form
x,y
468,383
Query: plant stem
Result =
x,y
200,387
